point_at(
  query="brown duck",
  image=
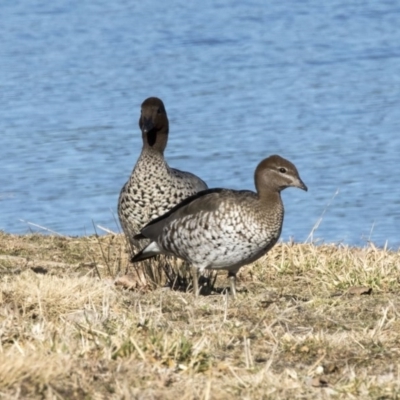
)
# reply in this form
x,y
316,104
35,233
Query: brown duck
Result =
x,y
222,228
153,187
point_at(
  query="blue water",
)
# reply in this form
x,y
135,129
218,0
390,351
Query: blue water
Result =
x,y
316,82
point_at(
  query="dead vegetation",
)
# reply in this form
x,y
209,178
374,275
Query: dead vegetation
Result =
x,y
309,322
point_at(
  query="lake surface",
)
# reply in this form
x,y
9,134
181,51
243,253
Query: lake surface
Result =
x,y
316,82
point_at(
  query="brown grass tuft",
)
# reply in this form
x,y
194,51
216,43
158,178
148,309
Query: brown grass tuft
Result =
x,y
309,322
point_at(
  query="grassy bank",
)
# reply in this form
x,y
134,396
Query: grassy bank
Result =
x,y
309,322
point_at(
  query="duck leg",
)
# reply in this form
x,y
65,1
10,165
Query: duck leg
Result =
x,y
232,282
195,279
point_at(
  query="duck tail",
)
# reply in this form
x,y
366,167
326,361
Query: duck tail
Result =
x,y
149,251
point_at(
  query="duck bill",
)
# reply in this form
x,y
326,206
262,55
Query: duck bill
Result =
x,y
147,125
301,185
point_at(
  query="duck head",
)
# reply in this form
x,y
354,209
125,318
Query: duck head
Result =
x,y
275,173
153,123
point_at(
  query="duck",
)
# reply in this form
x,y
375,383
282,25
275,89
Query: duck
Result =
x,y
224,229
153,187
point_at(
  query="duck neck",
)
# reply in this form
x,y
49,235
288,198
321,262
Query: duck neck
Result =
x,y
151,156
149,161
155,141
270,197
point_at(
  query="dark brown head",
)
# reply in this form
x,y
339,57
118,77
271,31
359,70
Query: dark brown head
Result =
x,y
275,174
153,123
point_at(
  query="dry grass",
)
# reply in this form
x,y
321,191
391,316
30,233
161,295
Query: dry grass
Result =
x,y
295,330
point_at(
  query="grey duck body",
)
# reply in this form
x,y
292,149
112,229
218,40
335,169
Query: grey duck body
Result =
x,y
153,187
222,228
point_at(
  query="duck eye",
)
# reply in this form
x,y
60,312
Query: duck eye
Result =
x,y
283,170
159,111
